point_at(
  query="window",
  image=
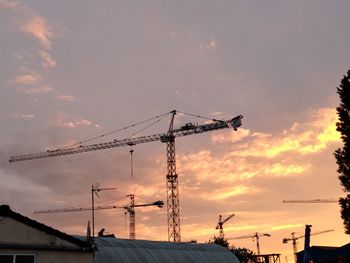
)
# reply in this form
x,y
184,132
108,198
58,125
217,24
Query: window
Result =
x,y
24,259
17,258
6,258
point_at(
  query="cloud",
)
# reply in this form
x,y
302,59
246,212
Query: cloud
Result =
x,y
8,5
65,98
29,78
287,226
63,120
22,116
76,123
40,29
307,138
173,35
257,155
208,46
47,60
279,169
227,192
39,90
233,136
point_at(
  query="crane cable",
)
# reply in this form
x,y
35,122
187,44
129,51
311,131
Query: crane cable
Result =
x,y
158,119
131,163
162,116
198,116
153,123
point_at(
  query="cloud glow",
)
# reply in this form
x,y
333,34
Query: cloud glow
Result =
x,y
308,138
39,90
40,29
47,60
29,78
8,5
67,98
63,120
22,116
208,46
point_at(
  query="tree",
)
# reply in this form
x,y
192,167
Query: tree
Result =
x,y
221,241
342,155
244,254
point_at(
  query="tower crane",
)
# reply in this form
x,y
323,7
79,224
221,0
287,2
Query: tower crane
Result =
x,y
294,240
305,201
255,236
173,202
129,208
220,224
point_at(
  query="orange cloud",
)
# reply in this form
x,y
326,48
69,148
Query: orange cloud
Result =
x,y
259,155
29,78
233,136
8,5
65,98
287,226
307,138
63,121
40,90
22,116
74,124
227,192
40,29
208,46
283,170
47,60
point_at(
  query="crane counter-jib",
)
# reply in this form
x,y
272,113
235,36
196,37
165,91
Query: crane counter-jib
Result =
x,y
163,137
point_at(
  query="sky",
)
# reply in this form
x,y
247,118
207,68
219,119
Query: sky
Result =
x,y
75,70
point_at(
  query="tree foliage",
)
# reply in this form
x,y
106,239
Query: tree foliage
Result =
x,y
342,155
244,254
221,241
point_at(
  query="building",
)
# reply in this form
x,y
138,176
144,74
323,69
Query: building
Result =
x,y
322,254
23,240
27,241
112,250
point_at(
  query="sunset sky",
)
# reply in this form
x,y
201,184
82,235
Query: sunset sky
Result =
x,y
74,70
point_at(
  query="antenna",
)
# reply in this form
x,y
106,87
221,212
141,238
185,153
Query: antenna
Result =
x,y
94,191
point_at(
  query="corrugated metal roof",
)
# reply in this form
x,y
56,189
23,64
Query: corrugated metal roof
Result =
x,y
111,250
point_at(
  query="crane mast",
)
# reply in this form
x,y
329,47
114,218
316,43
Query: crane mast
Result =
x,y
221,223
131,210
173,202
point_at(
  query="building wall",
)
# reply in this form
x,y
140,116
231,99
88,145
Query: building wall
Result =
x,y
17,238
49,256
12,231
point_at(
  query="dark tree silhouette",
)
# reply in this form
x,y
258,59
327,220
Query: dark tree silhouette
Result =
x,y
221,241
243,254
342,155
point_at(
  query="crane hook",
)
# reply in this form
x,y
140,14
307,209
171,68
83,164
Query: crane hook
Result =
x,y
131,164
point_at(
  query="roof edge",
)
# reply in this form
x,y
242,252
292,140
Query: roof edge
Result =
x,y
6,211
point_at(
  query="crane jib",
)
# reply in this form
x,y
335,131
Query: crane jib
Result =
x,y
185,130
